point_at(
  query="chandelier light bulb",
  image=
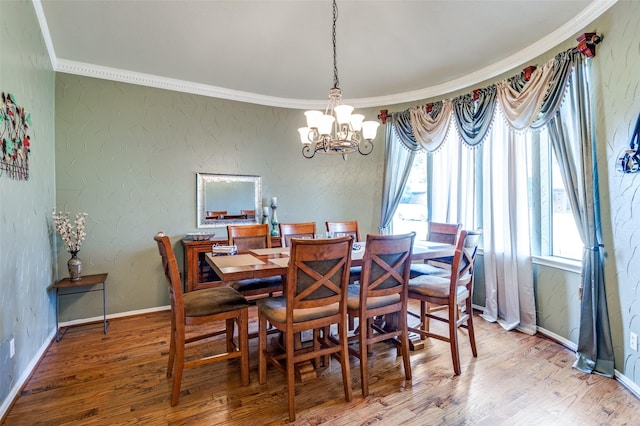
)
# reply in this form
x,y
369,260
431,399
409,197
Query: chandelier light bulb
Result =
x,y
369,129
313,118
304,135
343,113
325,124
356,122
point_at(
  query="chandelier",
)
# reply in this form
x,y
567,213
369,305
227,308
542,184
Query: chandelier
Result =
x,y
337,131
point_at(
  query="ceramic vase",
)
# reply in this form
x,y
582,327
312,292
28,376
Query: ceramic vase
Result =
x,y
75,267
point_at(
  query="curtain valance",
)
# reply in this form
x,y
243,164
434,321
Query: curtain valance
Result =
x,y
431,125
524,104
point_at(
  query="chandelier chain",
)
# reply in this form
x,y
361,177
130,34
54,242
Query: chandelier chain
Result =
x,y
336,81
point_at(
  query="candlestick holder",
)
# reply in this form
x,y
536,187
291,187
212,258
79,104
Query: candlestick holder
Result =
x,y
275,232
265,217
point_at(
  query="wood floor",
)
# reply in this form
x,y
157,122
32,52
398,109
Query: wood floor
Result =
x,y
90,378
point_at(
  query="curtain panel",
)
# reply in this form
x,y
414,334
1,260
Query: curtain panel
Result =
x,y
397,166
559,86
573,141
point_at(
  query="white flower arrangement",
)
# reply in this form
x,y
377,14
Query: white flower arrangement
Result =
x,y
73,235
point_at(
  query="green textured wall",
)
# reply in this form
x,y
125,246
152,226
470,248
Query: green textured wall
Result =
x,y
128,156
26,261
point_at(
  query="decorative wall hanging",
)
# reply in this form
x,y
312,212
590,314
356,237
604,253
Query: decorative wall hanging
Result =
x,y
14,138
628,161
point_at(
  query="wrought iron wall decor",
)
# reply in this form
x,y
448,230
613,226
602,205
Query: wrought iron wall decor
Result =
x,y
628,161
16,142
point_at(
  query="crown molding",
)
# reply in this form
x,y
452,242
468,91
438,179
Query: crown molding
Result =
x,y
562,34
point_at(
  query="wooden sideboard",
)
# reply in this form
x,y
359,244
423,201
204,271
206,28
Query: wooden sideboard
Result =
x,y
197,272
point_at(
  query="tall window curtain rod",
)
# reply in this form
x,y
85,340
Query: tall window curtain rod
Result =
x,y
586,45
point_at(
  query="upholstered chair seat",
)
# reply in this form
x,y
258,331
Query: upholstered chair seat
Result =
x,y
275,309
211,301
434,286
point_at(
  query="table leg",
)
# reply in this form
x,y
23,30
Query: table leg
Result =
x,y
58,335
104,307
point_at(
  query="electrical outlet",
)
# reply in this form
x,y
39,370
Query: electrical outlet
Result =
x,y
633,341
12,347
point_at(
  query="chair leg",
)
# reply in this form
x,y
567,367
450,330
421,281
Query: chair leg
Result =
x,y
178,366
172,348
404,341
344,360
364,349
352,322
262,347
453,339
424,325
472,334
291,379
230,328
369,324
316,346
243,343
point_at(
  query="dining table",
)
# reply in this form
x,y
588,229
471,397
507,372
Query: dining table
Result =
x,y
267,262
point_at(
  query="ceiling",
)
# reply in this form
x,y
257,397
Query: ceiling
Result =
x,y
279,52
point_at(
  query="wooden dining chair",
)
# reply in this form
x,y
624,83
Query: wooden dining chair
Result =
x,y
347,228
315,298
344,228
250,213
382,292
450,292
197,308
447,233
296,230
249,237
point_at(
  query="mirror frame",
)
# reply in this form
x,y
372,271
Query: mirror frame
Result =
x,y
202,179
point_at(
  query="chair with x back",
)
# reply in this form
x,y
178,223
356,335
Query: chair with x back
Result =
x,y
344,228
352,228
296,230
450,292
198,308
315,298
447,233
382,291
249,237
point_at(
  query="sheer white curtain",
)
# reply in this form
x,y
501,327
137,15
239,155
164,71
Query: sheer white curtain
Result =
x,y
453,198
510,298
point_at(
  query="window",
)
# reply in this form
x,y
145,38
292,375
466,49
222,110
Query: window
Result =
x,y
565,238
457,197
554,229
411,214
442,187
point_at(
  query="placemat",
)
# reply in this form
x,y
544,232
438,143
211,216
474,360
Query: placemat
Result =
x,y
237,260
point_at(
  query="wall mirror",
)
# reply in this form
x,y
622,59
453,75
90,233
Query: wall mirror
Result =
x,y
228,200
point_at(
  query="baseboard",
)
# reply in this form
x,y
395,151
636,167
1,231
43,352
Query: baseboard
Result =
x,y
556,337
628,383
624,380
118,315
19,384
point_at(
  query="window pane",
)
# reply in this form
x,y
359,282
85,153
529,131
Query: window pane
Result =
x,y
411,214
566,239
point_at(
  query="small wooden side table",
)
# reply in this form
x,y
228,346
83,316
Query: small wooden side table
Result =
x,y
85,281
